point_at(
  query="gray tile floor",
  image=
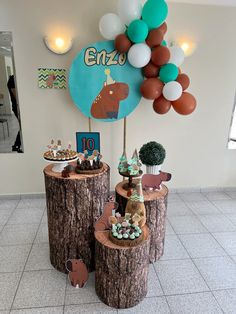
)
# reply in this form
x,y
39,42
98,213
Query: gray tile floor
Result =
x,y
197,273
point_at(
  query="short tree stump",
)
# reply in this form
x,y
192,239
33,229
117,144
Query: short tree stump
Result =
x,y
121,273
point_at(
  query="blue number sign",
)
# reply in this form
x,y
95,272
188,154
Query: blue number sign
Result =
x,y
89,141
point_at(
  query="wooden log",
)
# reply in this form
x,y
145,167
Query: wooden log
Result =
x,y
121,274
156,205
73,206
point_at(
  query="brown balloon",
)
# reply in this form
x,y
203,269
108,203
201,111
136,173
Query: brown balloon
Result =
x,y
183,80
163,28
160,55
161,105
154,38
151,88
185,105
122,43
151,70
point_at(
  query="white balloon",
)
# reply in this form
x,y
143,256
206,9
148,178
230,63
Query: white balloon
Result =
x,y
172,91
129,10
111,25
176,55
139,55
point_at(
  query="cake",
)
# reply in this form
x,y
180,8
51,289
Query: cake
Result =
x,y
56,153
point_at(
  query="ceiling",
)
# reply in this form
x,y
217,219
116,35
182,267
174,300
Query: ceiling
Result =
x,y
207,2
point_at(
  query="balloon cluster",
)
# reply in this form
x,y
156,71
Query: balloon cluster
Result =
x,y
139,32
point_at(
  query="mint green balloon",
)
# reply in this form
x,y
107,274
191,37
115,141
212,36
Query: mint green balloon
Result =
x,y
137,31
164,43
168,72
154,13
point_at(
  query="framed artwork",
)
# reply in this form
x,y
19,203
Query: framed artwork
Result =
x,y
89,141
52,78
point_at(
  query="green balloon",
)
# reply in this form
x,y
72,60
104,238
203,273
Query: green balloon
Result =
x,y
168,72
154,13
137,31
164,43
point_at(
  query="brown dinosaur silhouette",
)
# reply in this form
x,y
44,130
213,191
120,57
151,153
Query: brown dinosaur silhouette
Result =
x,y
106,105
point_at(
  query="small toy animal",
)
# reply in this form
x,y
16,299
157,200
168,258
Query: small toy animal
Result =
x,y
106,105
153,181
78,273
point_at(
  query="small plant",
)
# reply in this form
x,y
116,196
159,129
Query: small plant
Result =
x,y
152,154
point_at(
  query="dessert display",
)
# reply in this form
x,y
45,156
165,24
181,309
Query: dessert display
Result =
x,y
89,163
125,230
56,153
130,168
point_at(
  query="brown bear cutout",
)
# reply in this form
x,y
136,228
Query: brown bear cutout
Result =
x,y
103,222
106,105
153,181
78,273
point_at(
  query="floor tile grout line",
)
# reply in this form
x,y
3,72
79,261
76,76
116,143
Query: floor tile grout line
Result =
x,y
221,213
9,217
223,248
153,265
13,300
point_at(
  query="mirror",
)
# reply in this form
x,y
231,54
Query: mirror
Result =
x,y
10,124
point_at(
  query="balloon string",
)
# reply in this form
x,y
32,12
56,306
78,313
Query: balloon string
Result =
x,y
89,121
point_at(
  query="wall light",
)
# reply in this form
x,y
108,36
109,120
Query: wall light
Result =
x,y
187,45
58,44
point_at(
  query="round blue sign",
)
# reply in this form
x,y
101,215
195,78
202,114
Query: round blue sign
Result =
x,y
103,85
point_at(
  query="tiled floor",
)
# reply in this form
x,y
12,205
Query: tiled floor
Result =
x,y
197,273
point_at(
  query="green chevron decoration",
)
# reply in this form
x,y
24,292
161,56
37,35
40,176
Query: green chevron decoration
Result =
x,y
52,78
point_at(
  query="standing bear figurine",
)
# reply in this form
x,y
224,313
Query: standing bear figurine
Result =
x,y
107,103
78,273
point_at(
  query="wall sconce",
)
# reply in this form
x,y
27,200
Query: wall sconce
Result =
x,y
188,46
58,45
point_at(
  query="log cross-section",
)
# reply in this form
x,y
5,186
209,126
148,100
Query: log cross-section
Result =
x,y
121,273
73,206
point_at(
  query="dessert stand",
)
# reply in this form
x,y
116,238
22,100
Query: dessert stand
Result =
x,y
59,165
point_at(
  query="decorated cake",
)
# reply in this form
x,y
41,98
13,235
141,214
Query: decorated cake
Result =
x,y
89,163
125,230
56,153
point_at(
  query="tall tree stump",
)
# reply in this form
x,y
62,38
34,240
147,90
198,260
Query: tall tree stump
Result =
x,y
73,206
156,205
121,272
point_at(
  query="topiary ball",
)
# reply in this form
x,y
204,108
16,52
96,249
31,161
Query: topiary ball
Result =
x,y
152,154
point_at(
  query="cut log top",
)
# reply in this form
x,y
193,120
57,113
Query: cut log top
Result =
x,y
148,195
73,175
103,238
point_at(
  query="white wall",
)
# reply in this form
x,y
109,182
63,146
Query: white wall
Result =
x,y
196,145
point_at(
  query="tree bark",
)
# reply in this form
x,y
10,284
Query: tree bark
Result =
x,y
121,275
156,205
73,206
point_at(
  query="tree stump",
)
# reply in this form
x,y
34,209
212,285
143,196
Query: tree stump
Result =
x,y
73,206
121,274
156,205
